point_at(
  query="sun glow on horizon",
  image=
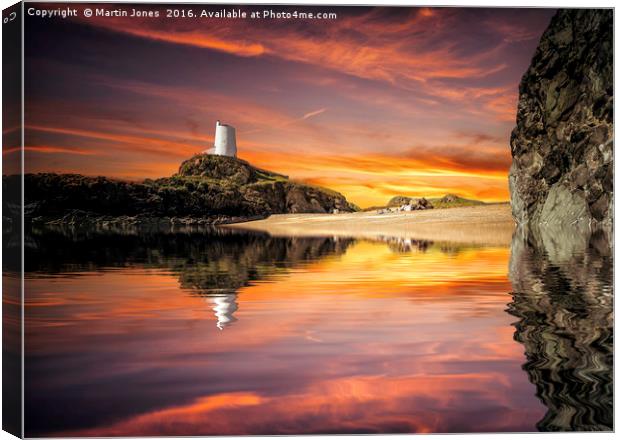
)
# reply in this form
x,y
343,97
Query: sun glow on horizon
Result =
x,y
378,103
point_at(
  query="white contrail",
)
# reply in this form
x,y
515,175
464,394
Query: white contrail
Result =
x,y
314,113
291,122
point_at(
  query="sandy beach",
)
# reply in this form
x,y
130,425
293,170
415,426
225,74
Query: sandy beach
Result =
x,y
486,224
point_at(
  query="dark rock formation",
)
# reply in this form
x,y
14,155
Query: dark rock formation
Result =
x,y
561,184
207,189
562,146
454,200
423,204
447,201
449,198
416,204
266,191
232,169
397,201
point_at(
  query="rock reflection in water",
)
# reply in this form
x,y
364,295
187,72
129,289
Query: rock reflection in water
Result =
x,y
564,301
210,263
406,244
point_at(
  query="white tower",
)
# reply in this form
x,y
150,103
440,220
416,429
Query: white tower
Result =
x,y
225,140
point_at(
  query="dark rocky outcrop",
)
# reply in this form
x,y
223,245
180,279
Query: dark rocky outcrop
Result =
x,y
562,146
447,201
220,168
399,201
561,185
453,201
206,190
416,204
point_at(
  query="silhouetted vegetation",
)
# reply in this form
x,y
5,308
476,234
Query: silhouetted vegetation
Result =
x,y
207,189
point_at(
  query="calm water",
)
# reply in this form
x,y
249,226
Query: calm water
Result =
x,y
205,332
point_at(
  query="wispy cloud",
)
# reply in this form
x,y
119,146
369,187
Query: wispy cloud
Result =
x,y
367,45
48,149
314,113
138,143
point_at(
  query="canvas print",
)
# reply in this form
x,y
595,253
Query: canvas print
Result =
x,y
292,219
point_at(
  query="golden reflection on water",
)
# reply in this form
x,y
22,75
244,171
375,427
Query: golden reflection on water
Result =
x,y
381,337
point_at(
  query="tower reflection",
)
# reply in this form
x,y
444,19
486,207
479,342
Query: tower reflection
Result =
x,y
224,305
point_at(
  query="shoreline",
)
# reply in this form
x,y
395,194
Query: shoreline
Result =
x,y
482,225
490,224
81,219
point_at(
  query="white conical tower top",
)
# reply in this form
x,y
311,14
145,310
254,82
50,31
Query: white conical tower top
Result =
x,y
225,140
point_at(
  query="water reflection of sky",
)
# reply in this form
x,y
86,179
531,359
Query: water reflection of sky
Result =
x,y
371,340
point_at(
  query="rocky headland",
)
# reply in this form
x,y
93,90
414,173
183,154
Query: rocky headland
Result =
x,y
562,146
423,203
207,189
561,185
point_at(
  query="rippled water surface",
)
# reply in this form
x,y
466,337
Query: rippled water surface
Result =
x,y
212,332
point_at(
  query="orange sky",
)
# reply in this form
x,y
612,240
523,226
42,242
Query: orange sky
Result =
x,y
377,103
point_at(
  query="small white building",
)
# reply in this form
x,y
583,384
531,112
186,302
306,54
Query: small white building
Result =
x,y
225,143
